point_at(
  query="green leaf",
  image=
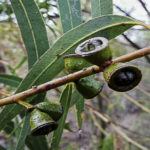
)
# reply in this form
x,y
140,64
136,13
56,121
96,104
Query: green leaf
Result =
x,y
80,108
16,129
65,101
76,96
36,42
37,143
108,143
67,127
2,148
9,128
24,132
101,7
32,28
70,14
11,80
23,60
50,64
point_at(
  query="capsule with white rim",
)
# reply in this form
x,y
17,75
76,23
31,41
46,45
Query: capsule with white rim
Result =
x,y
121,77
95,50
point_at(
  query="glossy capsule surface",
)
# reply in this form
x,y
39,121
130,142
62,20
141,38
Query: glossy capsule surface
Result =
x,y
121,77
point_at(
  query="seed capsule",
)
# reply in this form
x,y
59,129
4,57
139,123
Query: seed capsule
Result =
x,y
89,87
74,62
95,50
121,77
41,123
53,109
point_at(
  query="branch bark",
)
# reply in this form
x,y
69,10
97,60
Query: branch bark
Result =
x,y
72,77
144,6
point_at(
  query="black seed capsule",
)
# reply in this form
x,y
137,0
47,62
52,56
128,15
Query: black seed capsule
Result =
x,y
121,77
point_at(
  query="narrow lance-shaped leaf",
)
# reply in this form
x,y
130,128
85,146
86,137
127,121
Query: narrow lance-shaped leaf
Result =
x,y
76,96
70,14
65,101
101,7
37,143
80,108
108,143
11,80
24,132
33,32
2,148
32,28
9,128
51,63
23,60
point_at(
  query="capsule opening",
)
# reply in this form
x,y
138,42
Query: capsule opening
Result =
x,y
125,79
90,45
44,129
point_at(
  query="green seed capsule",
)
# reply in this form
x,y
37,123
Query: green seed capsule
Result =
x,y
89,87
54,109
121,77
74,62
41,123
95,50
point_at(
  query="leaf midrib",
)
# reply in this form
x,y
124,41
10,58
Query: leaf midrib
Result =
x,y
8,113
70,13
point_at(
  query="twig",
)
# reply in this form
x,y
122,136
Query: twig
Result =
x,y
126,37
72,77
136,103
144,6
135,45
123,11
145,92
132,132
103,117
126,13
116,128
3,62
122,134
98,124
133,55
4,93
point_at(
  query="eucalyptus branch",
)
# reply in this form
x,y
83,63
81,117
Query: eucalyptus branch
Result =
x,y
72,77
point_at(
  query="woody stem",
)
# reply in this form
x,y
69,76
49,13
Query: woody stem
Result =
x,y
72,77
